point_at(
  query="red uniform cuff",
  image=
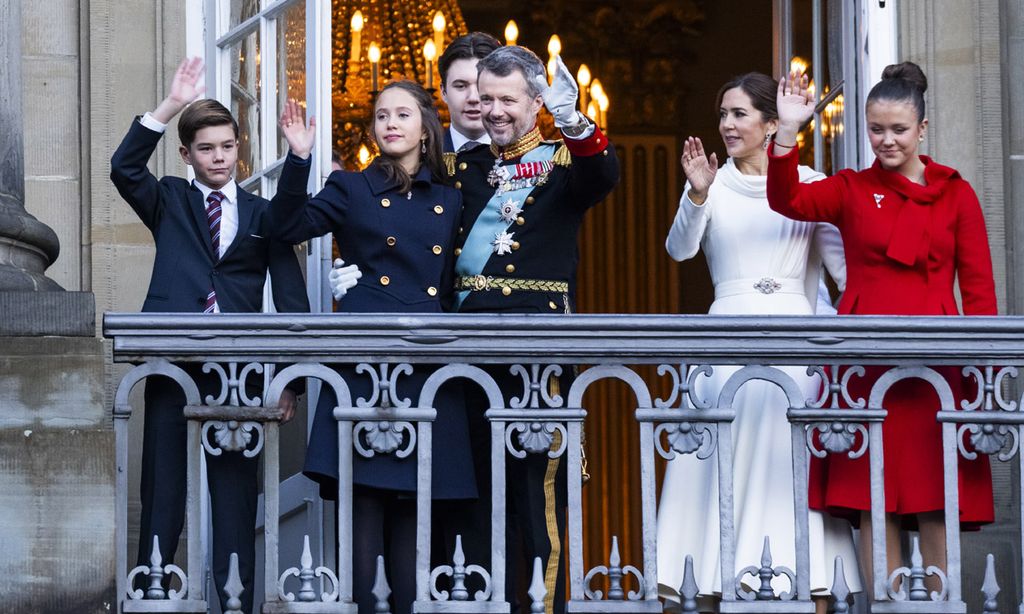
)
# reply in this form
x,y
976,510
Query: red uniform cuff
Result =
x,y
590,146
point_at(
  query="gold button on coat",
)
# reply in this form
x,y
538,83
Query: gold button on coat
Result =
x,y
438,209
529,200
520,220
506,290
458,251
463,166
510,268
515,245
458,185
385,202
552,305
432,291
384,280
436,249
391,241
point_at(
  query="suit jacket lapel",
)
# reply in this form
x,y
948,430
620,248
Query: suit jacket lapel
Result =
x,y
195,203
245,210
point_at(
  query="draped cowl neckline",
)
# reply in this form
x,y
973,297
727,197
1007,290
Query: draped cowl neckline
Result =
x,y
910,236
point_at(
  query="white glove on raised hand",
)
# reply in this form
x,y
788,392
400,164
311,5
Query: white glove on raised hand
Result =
x,y
561,96
343,278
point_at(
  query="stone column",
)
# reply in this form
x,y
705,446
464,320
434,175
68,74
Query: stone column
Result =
x,y
27,246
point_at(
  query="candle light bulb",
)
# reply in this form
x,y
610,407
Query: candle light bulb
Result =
x,y
602,102
357,21
357,28
596,89
429,50
374,53
554,45
364,156
511,32
583,76
798,65
439,22
592,111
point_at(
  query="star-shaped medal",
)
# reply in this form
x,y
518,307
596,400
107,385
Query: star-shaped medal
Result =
x,y
502,243
510,210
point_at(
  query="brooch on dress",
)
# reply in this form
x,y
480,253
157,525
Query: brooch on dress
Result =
x,y
878,200
767,285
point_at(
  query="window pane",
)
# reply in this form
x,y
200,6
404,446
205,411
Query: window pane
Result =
x,y
291,61
245,101
240,10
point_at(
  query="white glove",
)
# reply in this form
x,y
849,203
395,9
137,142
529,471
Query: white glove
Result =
x,y
342,278
561,96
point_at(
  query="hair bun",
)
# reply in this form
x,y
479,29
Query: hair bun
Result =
x,y
909,72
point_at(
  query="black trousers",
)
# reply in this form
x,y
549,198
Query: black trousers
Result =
x,y
232,481
535,497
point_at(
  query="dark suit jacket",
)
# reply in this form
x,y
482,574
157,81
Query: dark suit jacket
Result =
x,y
186,268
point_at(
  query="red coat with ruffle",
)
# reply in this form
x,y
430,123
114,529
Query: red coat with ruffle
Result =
x,y
905,244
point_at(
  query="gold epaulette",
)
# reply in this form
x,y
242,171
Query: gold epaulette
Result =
x,y
562,156
449,162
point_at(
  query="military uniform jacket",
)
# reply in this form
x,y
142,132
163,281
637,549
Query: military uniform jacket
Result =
x,y
545,232
402,242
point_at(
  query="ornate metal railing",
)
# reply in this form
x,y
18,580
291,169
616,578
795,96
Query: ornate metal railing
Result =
x,y
685,348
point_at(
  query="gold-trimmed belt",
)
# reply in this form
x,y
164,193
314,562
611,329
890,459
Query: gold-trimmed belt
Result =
x,y
508,284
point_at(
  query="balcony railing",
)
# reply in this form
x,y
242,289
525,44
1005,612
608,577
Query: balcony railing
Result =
x,y
988,350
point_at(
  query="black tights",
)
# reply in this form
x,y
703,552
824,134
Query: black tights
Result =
x,y
383,523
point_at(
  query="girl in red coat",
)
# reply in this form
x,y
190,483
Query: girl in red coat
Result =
x,y
909,226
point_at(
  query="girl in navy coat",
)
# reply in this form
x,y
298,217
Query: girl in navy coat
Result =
x,y
396,222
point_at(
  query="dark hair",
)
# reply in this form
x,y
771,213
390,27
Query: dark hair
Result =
x,y
433,159
476,45
203,114
759,87
903,82
503,60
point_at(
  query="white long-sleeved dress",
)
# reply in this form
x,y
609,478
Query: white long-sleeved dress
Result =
x,y
744,242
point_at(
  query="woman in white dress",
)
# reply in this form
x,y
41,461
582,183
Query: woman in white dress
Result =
x,y
761,264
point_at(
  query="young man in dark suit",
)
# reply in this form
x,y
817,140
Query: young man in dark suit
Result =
x,y
213,253
457,67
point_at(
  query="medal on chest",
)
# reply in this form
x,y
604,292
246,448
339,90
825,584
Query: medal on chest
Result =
x,y
506,178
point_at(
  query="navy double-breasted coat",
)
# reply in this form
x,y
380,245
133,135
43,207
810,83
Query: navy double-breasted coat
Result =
x,y
402,243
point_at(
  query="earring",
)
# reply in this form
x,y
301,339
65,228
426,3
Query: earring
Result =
x,y
921,138
767,139
423,146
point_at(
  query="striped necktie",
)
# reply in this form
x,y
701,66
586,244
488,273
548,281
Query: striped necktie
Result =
x,y
213,211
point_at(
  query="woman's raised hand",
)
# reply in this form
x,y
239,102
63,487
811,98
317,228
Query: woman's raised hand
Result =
x,y
293,127
795,101
700,169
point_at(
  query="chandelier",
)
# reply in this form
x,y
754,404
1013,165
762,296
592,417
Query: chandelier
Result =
x,y
377,41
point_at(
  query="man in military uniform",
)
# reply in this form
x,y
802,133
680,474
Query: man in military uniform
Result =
x,y
457,67
524,201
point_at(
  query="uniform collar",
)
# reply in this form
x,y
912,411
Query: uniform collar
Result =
x,y
520,147
380,183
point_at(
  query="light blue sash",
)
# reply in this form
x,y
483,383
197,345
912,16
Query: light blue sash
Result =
x,y
479,245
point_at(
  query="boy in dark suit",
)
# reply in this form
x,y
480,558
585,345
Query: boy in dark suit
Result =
x,y
457,67
213,253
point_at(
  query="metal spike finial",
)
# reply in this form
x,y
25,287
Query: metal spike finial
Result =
x,y
233,587
156,572
459,592
381,591
918,592
766,592
840,589
688,590
615,571
990,588
537,590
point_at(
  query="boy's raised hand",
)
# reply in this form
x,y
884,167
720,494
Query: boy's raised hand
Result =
x,y
186,86
300,137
